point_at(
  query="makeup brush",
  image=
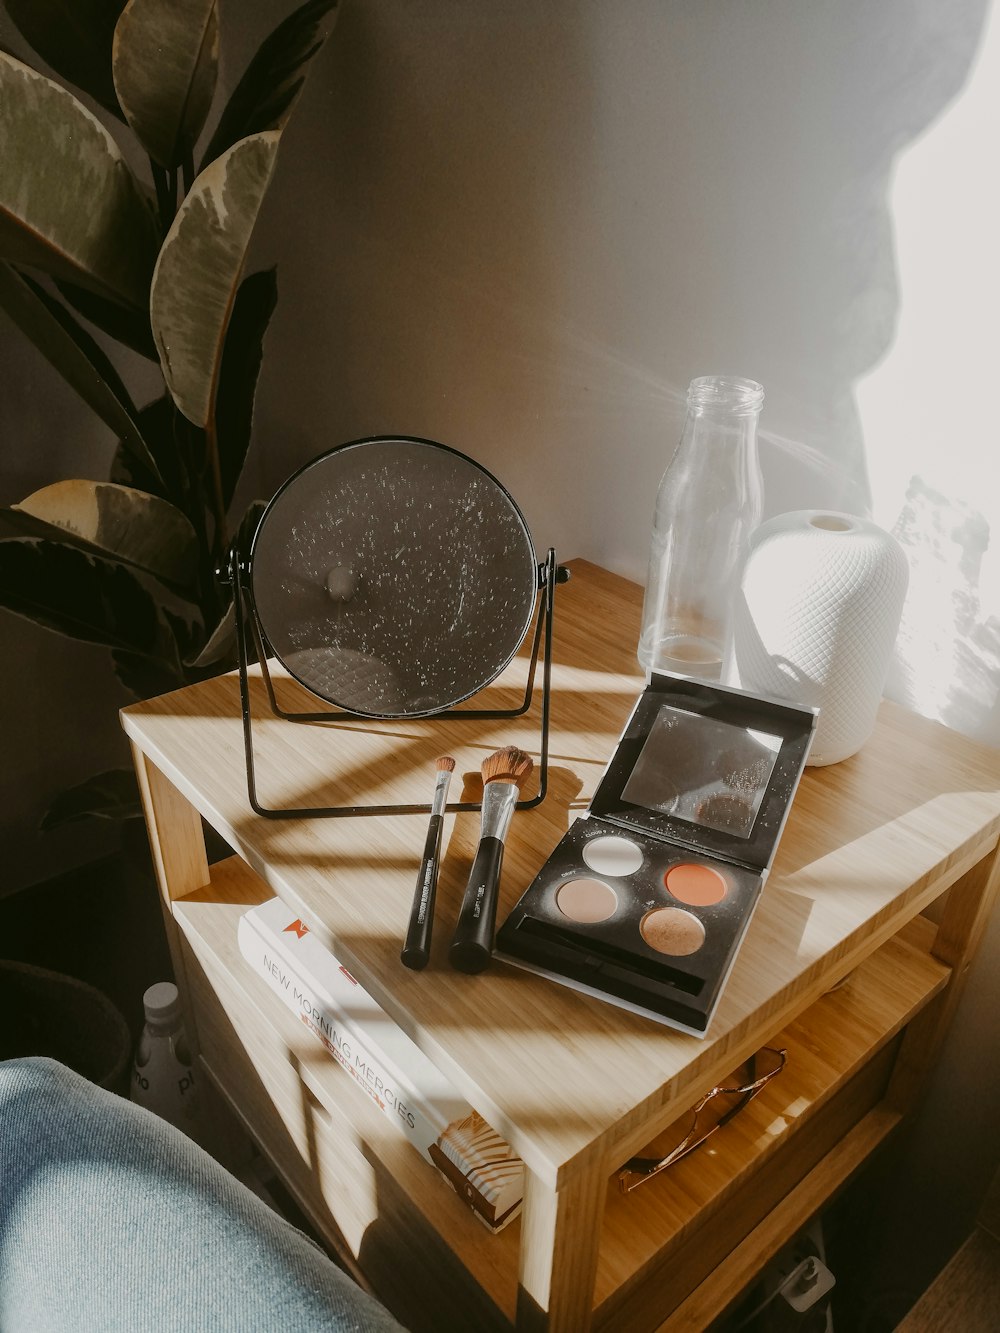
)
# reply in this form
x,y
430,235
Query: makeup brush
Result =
x,y
417,944
504,774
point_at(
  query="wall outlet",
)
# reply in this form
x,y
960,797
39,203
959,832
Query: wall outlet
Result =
x,y
792,1293
808,1283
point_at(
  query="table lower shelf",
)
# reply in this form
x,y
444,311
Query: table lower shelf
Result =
x,y
727,1207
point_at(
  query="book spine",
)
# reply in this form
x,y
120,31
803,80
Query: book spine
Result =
x,y
351,1053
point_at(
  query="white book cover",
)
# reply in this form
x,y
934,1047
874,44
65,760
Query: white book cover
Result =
x,y
383,1061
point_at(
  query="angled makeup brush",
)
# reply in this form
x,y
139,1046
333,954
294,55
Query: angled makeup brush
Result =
x,y
504,774
417,944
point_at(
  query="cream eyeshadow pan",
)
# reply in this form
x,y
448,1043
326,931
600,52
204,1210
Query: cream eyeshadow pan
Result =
x,y
586,900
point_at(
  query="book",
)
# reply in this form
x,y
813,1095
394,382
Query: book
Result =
x,y
481,1168
385,1064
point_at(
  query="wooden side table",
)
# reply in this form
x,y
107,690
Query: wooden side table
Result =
x,y
575,1085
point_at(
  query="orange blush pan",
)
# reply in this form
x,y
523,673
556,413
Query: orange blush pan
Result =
x,y
696,885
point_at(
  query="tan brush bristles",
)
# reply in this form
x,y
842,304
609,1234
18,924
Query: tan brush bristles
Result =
x,y
507,765
445,764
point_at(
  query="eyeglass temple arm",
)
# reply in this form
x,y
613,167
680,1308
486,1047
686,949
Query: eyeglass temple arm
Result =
x,y
644,1167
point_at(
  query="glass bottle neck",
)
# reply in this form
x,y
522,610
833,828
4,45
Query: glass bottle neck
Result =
x,y
724,397
716,437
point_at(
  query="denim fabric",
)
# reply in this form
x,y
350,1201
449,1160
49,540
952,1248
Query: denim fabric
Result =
x,y
110,1219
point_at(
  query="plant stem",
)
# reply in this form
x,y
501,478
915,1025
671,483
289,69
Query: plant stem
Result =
x,y
166,192
163,201
218,501
196,506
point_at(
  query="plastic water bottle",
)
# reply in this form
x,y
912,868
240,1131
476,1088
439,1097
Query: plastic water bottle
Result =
x,y
163,1078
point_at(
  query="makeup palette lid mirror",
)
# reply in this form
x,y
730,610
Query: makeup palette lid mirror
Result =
x,y
393,577
708,766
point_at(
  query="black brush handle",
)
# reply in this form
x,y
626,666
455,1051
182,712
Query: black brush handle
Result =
x,y
472,945
417,945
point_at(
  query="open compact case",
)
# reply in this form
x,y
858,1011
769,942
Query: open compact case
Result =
x,y
646,899
393,578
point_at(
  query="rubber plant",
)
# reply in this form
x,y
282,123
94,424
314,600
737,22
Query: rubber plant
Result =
x,y
103,265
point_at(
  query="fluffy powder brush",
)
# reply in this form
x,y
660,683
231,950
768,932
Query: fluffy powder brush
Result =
x,y
504,774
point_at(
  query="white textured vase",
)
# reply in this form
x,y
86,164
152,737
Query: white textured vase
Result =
x,y
815,621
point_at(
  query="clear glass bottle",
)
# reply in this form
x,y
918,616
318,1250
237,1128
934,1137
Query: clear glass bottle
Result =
x,y
163,1075
709,502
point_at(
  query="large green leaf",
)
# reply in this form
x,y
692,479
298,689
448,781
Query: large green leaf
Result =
x,y
74,37
69,204
255,302
198,271
166,58
88,597
110,795
76,356
264,97
125,523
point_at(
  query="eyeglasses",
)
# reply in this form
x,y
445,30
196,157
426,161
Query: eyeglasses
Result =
x,y
708,1114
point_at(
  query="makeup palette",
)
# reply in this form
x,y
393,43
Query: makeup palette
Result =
x,y
646,899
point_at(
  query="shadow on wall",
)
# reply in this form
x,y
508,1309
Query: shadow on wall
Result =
x,y
523,235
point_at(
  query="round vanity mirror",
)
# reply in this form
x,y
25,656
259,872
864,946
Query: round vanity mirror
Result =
x,y
393,577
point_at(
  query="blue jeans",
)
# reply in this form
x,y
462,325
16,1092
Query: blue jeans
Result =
x,y
111,1219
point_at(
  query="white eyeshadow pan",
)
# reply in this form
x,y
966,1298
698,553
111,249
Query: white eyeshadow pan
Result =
x,y
612,856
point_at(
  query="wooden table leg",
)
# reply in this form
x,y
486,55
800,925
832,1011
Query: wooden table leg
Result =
x,y
560,1240
965,916
176,839
177,845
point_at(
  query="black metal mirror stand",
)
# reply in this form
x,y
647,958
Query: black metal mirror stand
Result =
x,y
251,643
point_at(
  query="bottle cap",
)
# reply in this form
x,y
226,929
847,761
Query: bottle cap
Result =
x,y
162,1005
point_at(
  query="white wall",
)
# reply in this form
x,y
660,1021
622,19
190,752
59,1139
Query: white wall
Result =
x,y
522,228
